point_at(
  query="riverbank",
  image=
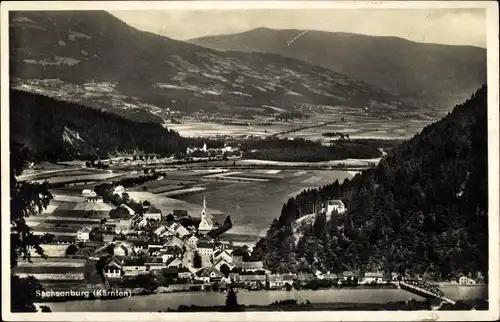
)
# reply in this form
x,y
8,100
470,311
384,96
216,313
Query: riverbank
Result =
x,y
288,306
334,297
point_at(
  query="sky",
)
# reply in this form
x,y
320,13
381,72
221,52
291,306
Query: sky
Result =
x,y
441,26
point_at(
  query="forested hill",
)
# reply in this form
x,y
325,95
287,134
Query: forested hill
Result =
x,y
423,210
57,130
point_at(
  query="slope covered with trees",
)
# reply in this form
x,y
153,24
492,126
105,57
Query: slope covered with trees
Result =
x,y
422,211
57,130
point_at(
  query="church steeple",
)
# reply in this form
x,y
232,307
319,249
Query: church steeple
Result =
x,y
204,210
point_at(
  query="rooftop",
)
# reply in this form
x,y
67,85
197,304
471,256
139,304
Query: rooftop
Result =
x,y
152,210
251,265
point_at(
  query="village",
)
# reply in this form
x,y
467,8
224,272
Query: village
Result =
x,y
141,248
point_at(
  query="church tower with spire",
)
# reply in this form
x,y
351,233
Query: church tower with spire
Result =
x,y
206,224
204,210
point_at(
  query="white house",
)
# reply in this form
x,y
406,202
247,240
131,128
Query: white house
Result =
x,y
134,270
192,242
95,199
278,281
251,266
373,277
88,193
122,226
153,213
206,249
209,274
336,205
120,250
167,255
119,190
113,269
466,280
206,224
83,234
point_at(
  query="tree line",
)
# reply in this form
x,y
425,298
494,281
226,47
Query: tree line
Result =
x,y
57,130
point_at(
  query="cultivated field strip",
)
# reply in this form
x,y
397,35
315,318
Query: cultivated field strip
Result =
x,y
53,276
40,262
62,220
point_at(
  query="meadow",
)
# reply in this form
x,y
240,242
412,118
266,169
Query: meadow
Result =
x,y
357,126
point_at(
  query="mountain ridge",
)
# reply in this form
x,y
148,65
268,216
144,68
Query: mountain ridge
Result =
x,y
298,31
398,65
95,59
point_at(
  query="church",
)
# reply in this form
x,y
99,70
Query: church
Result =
x,y
206,223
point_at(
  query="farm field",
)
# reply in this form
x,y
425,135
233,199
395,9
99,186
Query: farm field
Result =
x,y
61,172
75,178
198,129
357,126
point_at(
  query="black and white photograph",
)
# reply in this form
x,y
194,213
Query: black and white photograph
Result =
x,y
236,158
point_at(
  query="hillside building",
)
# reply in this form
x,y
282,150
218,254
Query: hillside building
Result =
x,y
335,205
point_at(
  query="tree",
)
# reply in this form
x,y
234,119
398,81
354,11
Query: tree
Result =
x,y
110,249
71,250
27,199
224,269
232,301
197,261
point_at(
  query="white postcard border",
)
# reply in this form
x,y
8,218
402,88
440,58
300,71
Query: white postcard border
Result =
x,y
493,163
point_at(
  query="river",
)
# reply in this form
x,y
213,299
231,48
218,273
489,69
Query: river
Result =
x,y
156,302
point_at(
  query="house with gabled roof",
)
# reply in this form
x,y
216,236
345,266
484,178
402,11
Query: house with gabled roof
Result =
x,y
83,234
191,241
250,266
160,230
130,211
113,269
176,262
223,253
121,250
222,261
209,274
153,213
154,263
277,281
168,254
178,230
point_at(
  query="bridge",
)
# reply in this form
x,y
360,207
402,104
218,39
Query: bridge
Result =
x,y
423,289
